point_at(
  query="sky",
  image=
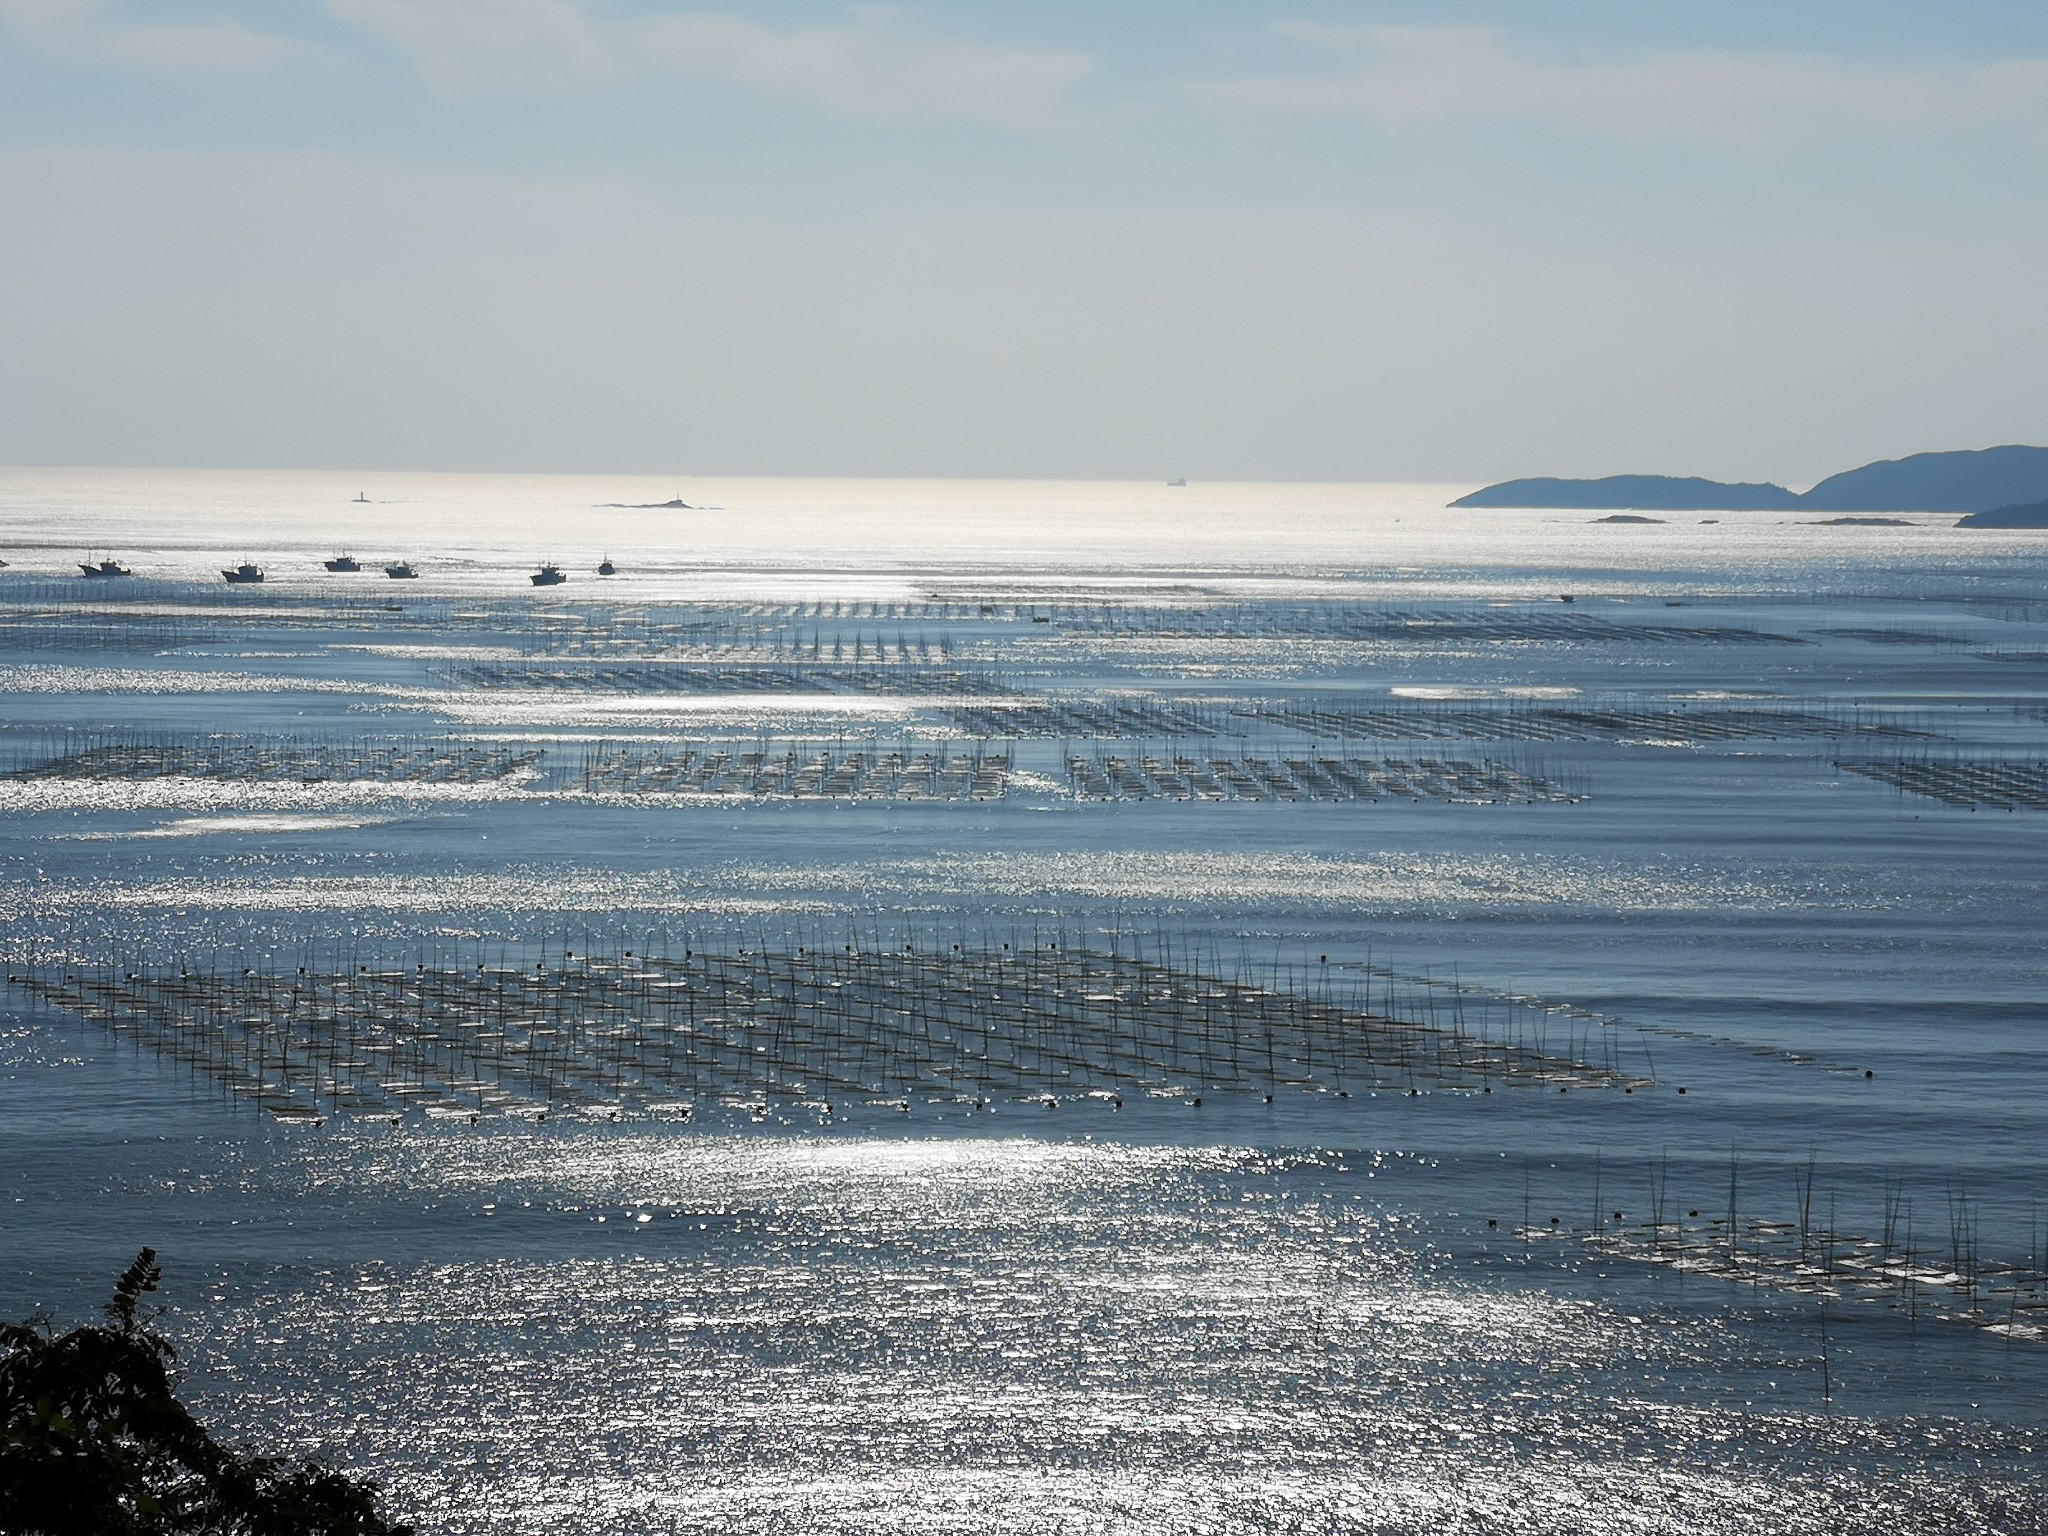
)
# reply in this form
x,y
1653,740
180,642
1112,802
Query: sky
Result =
x,y
1125,238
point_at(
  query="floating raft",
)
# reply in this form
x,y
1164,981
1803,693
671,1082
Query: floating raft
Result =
x,y
796,1026
1108,776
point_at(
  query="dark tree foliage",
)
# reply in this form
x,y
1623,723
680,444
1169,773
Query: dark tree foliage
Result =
x,y
93,1440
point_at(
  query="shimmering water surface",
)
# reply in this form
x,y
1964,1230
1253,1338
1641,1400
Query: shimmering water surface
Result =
x,y
1788,857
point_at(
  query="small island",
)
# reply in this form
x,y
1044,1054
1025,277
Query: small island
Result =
x,y
2029,514
1659,493
1627,517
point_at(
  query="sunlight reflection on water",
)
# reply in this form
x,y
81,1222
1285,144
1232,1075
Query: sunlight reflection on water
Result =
x,y
939,1335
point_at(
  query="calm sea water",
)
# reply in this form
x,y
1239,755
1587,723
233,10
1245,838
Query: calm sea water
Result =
x,y
1318,1313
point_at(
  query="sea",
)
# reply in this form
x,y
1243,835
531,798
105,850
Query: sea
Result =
x,y
1026,1006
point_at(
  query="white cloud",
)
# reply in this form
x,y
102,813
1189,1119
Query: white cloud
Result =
x,y
877,65
47,15
81,29
224,47
1416,75
468,46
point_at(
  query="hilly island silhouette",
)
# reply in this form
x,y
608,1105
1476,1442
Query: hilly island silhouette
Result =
x,y
2004,487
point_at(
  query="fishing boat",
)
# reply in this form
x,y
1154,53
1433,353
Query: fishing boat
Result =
x,y
246,572
99,570
549,576
402,571
606,568
343,563
361,497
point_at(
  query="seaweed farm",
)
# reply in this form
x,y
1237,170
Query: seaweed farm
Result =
x,y
1118,716
1335,717
1997,785
734,638
681,677
1338,720
1108,776
129,759
902,772
807,1026
876,768
997,1023
1330,621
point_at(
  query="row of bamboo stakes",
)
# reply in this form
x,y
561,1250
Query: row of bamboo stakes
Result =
x,y
1802,1250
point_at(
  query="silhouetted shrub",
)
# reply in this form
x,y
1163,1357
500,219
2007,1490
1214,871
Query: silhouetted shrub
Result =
x,y
95,1440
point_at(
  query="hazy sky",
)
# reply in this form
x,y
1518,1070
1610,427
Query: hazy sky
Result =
x,y
1122,237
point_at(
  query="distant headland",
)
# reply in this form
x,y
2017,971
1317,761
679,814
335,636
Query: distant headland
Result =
x,y
1987,483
